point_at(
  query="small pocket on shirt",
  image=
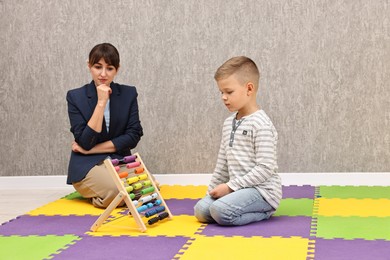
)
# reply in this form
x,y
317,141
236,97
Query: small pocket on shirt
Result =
x,y
244,136
247,133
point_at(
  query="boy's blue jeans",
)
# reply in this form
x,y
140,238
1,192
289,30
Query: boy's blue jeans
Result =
x,y
234,209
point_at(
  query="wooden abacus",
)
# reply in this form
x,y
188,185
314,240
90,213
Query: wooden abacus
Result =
x,y
147,199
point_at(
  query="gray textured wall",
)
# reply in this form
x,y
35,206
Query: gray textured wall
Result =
x,y
325,78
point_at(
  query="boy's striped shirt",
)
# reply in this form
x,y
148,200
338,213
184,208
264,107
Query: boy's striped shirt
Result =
x,y
248,158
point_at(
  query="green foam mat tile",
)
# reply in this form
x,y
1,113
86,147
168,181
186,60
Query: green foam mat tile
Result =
x,y
74,196
356,192
369,228
33,247
295,207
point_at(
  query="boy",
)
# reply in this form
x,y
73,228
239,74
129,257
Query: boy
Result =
x,y
245,186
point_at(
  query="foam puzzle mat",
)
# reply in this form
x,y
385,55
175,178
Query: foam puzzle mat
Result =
x,y
322,222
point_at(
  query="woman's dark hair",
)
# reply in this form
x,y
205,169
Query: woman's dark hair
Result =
x,y
107,51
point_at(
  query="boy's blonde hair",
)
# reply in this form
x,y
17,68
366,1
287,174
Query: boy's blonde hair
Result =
x,y
245,69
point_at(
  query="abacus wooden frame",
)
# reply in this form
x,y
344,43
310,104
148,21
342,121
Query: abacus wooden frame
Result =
x,y
124,196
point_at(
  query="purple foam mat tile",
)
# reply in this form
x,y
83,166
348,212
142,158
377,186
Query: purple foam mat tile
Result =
x,y
181,206
284,226
351,249
48,225
298,192
176,206
123,248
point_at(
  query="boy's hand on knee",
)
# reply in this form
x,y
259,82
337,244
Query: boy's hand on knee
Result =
x,y
220,191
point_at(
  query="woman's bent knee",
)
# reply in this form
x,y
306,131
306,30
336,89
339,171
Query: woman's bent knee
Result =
x,y
106,197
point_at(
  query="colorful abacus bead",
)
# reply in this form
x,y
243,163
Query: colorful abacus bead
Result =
x,y
142,176
137,186
139,170
126,159
156,219
132,180
145,207
147,190
146,183
133,165
123,175
148,198
154,211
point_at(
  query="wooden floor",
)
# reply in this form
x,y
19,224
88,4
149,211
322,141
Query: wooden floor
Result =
x,y
16,202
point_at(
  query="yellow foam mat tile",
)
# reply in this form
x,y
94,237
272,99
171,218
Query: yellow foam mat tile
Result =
x,y
354,207
65,207
182,225
219,247
183,192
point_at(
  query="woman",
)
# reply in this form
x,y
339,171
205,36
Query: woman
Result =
x,y
105,122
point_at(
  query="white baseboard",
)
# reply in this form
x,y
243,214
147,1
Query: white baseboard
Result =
x,y
315,179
